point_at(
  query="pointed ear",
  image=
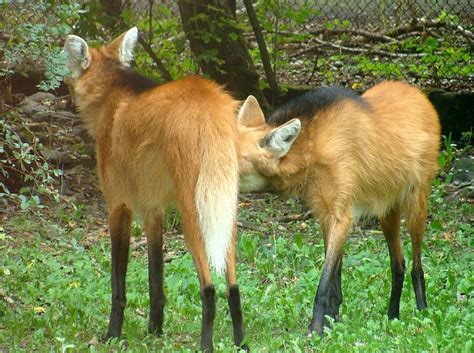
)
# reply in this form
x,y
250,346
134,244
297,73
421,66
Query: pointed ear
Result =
x,y
279,140
250,114
78,57
122,47
128,44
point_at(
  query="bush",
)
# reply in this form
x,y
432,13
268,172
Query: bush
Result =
x,y
25,175
32,32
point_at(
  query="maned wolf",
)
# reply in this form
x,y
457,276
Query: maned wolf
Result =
x,y
347,156
173,144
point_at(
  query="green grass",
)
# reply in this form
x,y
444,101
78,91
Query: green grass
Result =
x,y
55,291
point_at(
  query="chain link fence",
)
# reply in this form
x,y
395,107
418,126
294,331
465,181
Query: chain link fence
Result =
x,y
427,42
383,14
326,42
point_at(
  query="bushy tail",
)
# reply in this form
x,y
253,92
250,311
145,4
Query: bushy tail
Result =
x,y
216,200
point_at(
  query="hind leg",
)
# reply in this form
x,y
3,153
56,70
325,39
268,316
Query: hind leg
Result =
x,y
335,296
416,217
120,223
195,244
335,292
233,296
336,231
154,237
391,230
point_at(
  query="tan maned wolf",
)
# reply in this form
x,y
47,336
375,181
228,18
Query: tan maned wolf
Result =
x,y
347,156
173,144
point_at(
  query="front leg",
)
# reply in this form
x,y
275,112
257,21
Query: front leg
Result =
x,y
329,295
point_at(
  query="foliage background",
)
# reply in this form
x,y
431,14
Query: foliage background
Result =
x,y
425,42
54,250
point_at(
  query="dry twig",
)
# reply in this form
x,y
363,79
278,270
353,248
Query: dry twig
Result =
x,y
423,25
357,50
358,32
292,217
252,226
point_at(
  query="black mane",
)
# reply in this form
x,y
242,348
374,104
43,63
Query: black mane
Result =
x,y
128,78
135,82
310,103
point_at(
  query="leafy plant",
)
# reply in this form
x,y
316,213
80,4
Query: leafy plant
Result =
x,y
33,29
446,156
24,173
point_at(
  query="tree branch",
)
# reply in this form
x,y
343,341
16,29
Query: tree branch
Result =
x,y
267,66
150,19
336,31
357,50
165,73
414,26
392,35
114,10
422,25
464,31
358,32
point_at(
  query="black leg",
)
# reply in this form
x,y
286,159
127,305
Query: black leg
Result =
x,y
329,295
418,279
322,298
391,230
195,244
335,297
120,223
417,215
155,278
233,296
208,295
237,318
398,275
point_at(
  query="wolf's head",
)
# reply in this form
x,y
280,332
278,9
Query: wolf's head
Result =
x,y
101,78
81,57
262,146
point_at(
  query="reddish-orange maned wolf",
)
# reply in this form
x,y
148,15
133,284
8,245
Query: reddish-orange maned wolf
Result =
x,y
173,144
348,156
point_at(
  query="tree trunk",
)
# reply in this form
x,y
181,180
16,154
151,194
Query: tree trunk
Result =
x,y
232,6
219,46
114,9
